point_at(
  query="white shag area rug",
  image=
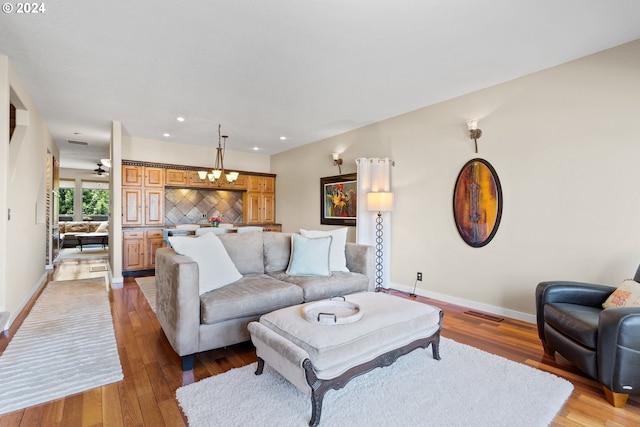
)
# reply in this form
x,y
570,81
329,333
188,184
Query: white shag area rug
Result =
x,y
148,287
66,345
468,387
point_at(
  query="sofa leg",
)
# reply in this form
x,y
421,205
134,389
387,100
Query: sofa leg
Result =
x,y
188,362
616,399
548,350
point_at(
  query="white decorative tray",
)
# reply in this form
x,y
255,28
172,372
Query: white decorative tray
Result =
x,y
332,312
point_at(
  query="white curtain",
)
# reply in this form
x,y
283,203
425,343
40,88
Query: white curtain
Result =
x,y
374,175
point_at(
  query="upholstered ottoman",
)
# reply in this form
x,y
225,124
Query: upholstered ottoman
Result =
x,y
319,356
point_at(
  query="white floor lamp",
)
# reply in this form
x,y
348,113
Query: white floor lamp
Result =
x,y
380,201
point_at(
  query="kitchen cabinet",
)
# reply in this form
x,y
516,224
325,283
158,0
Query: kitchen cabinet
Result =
x,y
142,195
175,177
153,176
259,200
133,250
139,249
131,206
154,206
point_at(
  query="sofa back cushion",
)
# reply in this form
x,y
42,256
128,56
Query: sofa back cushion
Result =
x,y
245,250
277,251
76,227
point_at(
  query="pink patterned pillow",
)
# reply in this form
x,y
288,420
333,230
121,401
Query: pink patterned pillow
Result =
x,y
627,295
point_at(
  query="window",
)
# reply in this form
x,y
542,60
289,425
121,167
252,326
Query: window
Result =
x,y
95,198
65,203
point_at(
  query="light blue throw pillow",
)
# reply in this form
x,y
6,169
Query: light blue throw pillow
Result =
x,y
309,256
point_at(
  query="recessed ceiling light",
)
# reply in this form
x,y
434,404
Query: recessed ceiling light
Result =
x,y
256,148
180,119
166,135
282,138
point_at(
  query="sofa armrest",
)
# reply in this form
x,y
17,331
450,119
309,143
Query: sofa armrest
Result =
x,y
178,300
619,349
579,293
361,259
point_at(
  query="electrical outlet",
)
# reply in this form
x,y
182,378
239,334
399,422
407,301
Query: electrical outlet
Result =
x,y
419,277
204,215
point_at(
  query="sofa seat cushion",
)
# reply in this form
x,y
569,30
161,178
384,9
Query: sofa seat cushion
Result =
x,y
321,287
254,294
577,322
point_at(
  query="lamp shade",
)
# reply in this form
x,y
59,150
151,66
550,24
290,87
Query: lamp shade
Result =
x,y
381,201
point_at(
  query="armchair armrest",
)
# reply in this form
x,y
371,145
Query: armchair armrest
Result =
x,y
580,293
619,349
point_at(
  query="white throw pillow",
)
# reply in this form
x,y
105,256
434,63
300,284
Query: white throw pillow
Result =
x,y
103,227
337,257
214,264
309,257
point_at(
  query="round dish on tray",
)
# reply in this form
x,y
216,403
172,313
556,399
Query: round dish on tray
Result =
x,y
332,312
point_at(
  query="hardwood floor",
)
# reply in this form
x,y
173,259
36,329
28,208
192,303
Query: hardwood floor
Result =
x,y
152,371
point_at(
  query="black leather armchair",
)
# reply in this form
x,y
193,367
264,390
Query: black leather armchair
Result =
x,y
604,344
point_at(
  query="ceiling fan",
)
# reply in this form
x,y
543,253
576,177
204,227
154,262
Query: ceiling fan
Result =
x,y
100,171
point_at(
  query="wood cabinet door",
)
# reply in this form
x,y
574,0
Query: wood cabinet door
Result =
x,y
131,206
153,244
132,254
240,183
153,177
254,184
268,208
175,177
253,208
194,180
131,176
268,184
154,206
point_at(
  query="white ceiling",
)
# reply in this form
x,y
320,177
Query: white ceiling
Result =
x,y
303,69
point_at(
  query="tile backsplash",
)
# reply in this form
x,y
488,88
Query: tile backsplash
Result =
x,y
187,206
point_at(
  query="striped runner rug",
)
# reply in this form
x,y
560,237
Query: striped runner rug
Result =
x,y
66,345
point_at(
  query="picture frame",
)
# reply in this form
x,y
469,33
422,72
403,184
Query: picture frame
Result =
x,y
339,199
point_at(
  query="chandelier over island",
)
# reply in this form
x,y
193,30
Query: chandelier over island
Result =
x,y
217,174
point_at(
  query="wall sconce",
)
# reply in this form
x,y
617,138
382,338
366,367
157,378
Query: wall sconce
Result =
x,y
474,132
337,161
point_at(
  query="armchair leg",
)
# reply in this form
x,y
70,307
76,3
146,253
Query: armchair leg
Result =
x,y
616,399
548,350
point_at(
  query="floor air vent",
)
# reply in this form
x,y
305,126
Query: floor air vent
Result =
x,y
484,316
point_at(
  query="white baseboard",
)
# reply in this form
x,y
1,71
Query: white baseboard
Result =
x,y
34,290
525,317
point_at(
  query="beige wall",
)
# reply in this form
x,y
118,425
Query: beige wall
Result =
x,y
22,190
565,144
152,150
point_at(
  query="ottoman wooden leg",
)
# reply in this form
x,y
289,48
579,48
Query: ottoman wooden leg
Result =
x,y
260,366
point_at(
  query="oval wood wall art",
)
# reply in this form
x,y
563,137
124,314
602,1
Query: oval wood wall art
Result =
x,y
477,202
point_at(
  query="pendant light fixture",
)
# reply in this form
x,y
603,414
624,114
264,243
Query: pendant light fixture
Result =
x,y
218,174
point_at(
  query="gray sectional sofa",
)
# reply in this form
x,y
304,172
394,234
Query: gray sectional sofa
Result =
x,y
194,323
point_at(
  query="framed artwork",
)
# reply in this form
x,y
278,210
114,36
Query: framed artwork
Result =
x,y
477,202
338,199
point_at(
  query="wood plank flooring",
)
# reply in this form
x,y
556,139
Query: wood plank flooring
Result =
x,y
152,371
